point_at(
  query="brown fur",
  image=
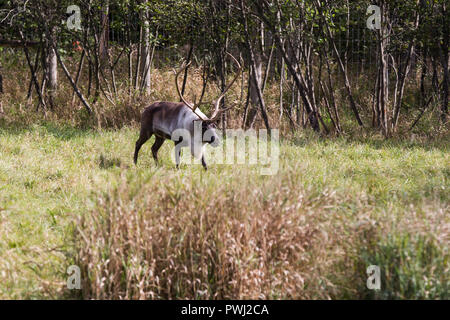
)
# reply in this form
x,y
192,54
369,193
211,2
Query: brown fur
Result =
x,y
159,112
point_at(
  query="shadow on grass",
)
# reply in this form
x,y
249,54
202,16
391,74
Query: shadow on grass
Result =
x,y
373,140
303,138
106,162
61,132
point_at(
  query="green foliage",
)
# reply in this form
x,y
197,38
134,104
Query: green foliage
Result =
x,y
178,21
412,267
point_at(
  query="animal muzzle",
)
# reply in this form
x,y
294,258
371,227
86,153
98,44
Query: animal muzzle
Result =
x,y
213,140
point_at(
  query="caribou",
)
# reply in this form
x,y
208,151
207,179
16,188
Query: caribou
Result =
x,y
165,120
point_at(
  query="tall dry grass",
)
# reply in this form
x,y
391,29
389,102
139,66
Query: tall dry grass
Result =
x,y
161,243
273,239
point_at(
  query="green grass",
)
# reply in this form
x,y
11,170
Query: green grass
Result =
x,y
377,202
413,268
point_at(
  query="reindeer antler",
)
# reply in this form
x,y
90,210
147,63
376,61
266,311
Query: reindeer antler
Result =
x,y
177,73
217,112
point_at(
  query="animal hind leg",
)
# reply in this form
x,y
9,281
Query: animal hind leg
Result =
x,y
144,136
156,146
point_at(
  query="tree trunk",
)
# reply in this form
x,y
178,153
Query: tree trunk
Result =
x,y
74,86
256,79
51,67
130,71
33,73
146,52
138,61
282,75
104,35
188,61
77,78
1,90
36,68
444,58
383,101
254,99
403,73
383,85
52,64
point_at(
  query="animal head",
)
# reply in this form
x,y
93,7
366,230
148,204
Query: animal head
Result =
x,y
210,123
209,134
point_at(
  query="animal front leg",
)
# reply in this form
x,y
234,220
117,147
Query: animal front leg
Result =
x,y
177,154
204,163
156,146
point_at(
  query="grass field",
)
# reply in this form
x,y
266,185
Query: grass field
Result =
x,y
336,206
